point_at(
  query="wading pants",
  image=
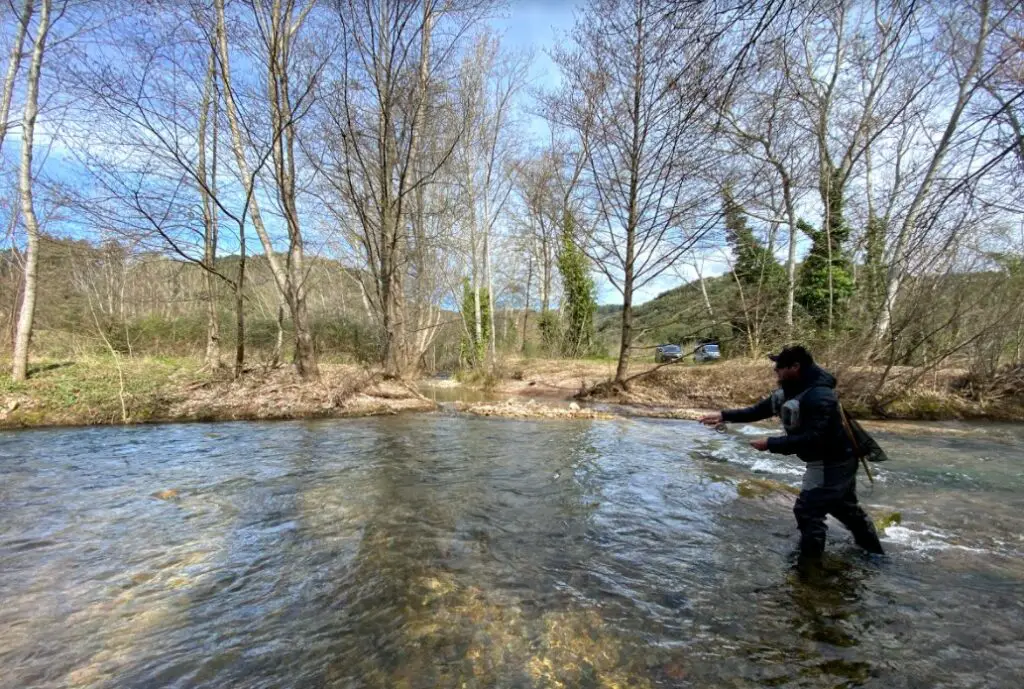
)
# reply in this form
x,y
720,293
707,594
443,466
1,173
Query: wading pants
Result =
x,y
832,489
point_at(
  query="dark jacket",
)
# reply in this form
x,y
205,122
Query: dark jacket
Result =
x,y
820,436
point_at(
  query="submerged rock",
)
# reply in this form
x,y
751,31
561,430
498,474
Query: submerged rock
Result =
x,y
762,487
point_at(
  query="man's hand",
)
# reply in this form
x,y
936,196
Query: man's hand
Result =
x,y
711,419
759,444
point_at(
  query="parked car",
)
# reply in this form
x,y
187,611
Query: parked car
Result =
x,y
667,352
707,352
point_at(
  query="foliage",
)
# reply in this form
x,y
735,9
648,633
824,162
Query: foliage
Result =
x,y
753,262
548,325
825,281
473,352
580,294
872,286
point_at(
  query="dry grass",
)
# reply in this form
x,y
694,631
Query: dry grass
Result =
x,y
734,383
689,385
87,391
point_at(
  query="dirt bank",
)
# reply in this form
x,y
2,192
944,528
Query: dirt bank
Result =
x,y
738,383
97,392
147,390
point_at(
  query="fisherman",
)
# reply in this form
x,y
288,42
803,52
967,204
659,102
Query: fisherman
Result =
x,y
815,432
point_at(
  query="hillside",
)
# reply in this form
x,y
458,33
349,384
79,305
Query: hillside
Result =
x,y
678,316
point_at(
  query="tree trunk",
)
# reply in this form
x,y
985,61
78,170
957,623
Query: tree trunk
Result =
x,y
526,306
626,343
787,194
13,64
208,188
28,304
704,291
490,301
240,308
275,357
394,364
635,153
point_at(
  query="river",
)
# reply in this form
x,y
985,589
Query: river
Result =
x,y
440,550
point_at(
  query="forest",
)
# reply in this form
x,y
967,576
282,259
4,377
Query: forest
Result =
x,y
272,182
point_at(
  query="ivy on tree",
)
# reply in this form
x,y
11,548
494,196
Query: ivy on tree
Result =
x,y
579,293
473,348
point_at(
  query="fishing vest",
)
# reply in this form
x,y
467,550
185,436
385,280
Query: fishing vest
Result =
x,y
787,410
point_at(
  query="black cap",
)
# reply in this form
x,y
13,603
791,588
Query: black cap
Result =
x,y
792,355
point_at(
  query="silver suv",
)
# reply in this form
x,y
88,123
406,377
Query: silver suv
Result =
x,y
707,352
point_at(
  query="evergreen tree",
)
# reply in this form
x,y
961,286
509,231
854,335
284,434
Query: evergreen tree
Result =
x,y
814,289
580,293
548,326
753,262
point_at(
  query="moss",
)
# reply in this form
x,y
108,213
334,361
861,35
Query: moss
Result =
x,y
761,487
884,521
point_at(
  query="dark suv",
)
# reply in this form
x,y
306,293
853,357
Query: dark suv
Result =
x,y
667,352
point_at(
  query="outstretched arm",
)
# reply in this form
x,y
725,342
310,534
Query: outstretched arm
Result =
x,y
758,412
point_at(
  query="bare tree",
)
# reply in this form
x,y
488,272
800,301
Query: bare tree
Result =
x,y
396,62
278,29
638,89
759,122
207,183
25,178
855,68
489,81
971,76
13,65
151,144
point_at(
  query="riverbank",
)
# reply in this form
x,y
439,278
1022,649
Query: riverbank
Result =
x,y
100,391
938,396
90,392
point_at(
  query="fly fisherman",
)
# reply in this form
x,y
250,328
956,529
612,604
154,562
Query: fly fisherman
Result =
x,y
807,404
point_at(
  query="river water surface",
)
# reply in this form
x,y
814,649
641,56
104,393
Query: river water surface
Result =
x,y
448,551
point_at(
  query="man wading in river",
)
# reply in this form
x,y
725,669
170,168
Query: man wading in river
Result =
x,y
807,404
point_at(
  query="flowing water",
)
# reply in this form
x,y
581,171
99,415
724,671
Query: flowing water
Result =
x,y
448,551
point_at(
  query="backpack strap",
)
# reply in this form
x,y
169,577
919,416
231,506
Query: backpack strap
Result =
x,y
853,441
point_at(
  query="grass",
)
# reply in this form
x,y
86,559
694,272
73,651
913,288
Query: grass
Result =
x,y
91,390
95,390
